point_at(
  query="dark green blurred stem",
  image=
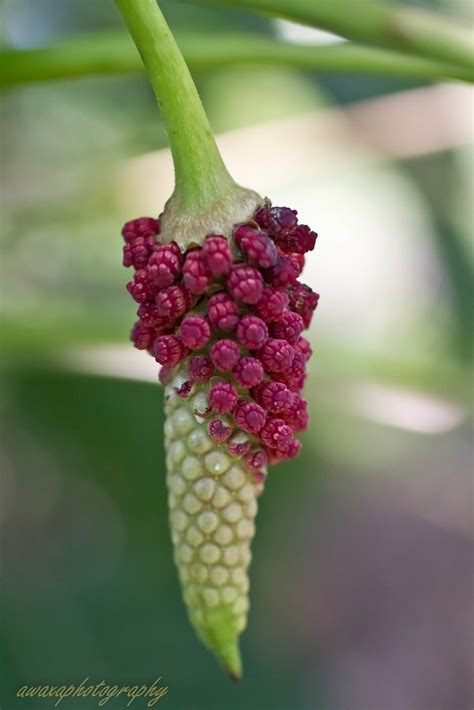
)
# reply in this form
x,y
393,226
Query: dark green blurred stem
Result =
x,y
114,53
432,174
456,262
407,29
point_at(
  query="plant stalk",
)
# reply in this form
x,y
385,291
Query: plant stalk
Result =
x,y
114,53
206,199
199,169
391,26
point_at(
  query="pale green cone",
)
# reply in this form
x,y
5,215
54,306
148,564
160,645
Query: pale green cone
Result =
x,y
213,503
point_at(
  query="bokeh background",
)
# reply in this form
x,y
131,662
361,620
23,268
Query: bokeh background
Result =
x,y
360,578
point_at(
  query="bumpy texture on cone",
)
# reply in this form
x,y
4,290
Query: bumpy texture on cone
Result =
x,y
212,501
224,320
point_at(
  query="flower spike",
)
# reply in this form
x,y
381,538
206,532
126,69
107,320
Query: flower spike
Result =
x,y
222,310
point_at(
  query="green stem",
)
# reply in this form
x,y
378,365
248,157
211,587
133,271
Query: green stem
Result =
x,y
407,29
205,197
199,168
100,54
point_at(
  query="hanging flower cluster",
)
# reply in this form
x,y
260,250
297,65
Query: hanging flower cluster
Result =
x,y
234,315
225,322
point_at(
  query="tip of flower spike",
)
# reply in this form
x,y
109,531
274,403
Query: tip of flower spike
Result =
x,y
219,634
232,663
236,676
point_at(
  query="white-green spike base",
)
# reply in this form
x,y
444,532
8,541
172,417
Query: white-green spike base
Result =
x,y
213,503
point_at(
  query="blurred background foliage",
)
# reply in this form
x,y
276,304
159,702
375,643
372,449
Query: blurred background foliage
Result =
x,y
360,595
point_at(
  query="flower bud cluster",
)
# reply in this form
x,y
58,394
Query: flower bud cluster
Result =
x,y
230,314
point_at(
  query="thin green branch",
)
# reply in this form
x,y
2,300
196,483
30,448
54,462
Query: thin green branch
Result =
x,y
407,29
114,54
206,200
200,173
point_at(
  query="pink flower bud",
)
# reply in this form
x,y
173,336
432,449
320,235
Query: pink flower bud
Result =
x,y
276,219
248,372
197,275
298,366
303,300
284,272
256,461
200,368
239,449
303,347
294,448
141,227
222,397
169,350
275,397
137,251
252,332
299,241
245,283
219,431
142,336
297,416
277,355
289,327
276,434
223,312
225,355
195,332
141,287
165,264
249,416
216,252
257,247
294,383
173,302
150,315
272,304
164,374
